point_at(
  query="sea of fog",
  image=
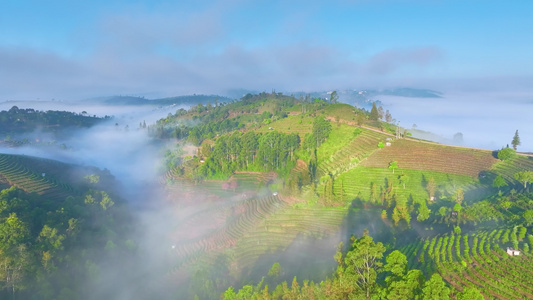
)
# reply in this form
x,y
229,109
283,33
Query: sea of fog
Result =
x,y
486,120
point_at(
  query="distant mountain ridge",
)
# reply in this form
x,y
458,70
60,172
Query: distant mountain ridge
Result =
x,y
136,100
359,97
365,97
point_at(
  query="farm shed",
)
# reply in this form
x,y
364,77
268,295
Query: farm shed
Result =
x,y
513,252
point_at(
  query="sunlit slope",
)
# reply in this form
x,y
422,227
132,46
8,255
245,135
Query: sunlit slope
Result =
x,y
478,260
360,168
344,150
361,182
417,155
508,168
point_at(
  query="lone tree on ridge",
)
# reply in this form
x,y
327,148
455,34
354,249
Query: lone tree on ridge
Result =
x,y
516,140
374,115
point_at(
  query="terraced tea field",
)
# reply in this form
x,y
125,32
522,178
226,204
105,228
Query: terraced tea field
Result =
x,y
357,182
239,185
282,227
35,175
247,227
432,157
349,156
229,221
508,168
478,260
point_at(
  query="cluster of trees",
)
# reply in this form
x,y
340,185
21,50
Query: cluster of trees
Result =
x,y
208,131
320,133
376,114
206,121
271,151
506,153
17,120
58,250
195,134
362,273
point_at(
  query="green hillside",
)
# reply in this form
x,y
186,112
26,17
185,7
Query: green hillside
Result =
x,y
342,161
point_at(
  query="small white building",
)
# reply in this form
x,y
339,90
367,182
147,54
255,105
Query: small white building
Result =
x,y
388,144
513,252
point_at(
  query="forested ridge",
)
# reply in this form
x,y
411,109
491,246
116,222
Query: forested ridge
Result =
x,y
19,120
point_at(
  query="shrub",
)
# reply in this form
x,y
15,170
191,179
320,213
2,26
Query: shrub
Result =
x,y
506,153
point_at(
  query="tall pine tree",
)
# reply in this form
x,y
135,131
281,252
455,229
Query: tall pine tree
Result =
x,y
374,115
516,140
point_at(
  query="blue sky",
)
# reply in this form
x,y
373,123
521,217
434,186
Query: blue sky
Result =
x,y
78,49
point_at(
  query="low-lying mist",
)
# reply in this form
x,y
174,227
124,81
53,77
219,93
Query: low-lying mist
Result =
x,y
118,144
486,120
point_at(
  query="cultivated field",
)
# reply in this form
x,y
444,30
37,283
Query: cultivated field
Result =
x,y
357,183
350,153
512,166
35,175
432,157
478,260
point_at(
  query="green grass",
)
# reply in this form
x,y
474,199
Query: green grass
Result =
x,y
342,111
292,124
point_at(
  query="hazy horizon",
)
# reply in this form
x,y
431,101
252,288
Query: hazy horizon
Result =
x,y
166,48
